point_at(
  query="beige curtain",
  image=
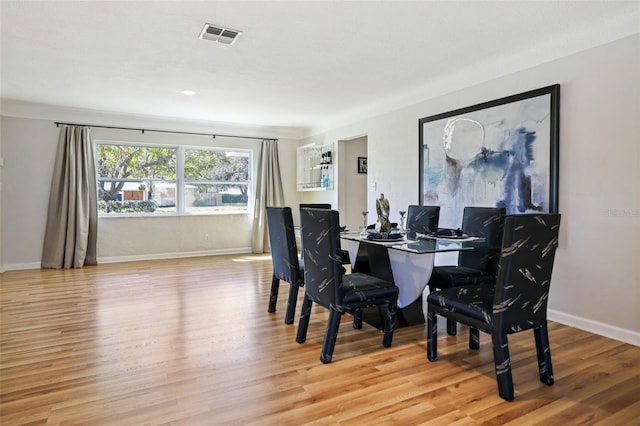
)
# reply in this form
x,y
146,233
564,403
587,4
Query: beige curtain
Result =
x,y
72,220
268,193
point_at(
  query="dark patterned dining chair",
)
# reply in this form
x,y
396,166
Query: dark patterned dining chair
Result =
x,y
326,285
284,256
423,219
478,266
518,302
343,253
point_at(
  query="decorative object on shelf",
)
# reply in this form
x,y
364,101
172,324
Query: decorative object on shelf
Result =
x,y
324,183
402,213
501,153
362,165
325,160
382,208
363,231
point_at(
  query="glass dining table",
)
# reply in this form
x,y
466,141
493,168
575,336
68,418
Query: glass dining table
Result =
x,y
407,262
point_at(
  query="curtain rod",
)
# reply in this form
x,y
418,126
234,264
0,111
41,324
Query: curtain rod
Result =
x,y
58,124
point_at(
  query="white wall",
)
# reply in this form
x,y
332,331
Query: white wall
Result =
x,y
29,148
597,274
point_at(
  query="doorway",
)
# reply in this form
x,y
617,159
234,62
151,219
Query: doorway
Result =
x,y
352,182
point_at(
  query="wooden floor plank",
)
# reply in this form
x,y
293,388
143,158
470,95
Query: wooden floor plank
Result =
x,y
190,342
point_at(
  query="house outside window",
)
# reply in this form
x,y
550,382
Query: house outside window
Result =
x,y
137,179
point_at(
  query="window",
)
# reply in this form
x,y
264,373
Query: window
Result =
x,y
154,179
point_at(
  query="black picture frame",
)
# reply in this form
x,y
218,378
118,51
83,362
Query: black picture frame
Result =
x,y
362,165
502,153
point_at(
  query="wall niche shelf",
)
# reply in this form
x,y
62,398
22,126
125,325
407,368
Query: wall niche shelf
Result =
x,y
315,167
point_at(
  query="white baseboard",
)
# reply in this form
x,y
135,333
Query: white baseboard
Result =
x,y
613,332
21,266
116,259
158,256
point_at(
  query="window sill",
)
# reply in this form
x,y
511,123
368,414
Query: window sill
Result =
x,y
143,215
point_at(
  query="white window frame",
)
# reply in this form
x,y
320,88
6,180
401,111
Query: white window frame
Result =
x,y
180,179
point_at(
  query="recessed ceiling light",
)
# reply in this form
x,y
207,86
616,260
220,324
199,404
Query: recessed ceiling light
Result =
x,y
188,92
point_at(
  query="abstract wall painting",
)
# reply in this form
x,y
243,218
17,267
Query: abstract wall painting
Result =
x,y
501,153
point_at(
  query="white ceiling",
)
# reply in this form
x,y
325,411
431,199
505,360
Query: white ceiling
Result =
x,y
303,64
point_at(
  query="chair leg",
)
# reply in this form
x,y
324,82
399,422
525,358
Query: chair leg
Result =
x,y
273,295
452,327
474,338
357,319
432,336
503,366
303,324
389,323
291,304
543,351
330,336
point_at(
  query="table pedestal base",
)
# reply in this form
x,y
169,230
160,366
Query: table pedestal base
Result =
x,y
411,275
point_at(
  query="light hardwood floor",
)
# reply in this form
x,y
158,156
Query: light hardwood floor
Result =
x,y
190,342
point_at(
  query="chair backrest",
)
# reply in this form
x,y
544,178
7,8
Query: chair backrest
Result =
x,y
323,263
524,272
323,206
315,206
423,219
284,252
488,223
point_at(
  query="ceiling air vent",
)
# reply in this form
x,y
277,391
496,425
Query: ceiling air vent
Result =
x,y
219,34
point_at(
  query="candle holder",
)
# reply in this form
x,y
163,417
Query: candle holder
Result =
x,y
363,231
402,213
